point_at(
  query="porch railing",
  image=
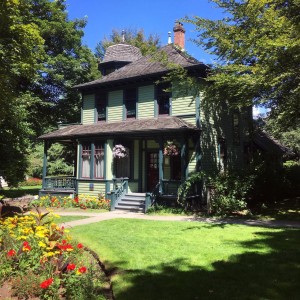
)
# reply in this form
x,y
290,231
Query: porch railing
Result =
x,y
169,187
120,188
59,182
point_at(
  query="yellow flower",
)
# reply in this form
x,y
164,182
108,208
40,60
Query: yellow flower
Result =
x,y
42,244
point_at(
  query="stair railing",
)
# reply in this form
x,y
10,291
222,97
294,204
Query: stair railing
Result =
x,y
120,188
151,197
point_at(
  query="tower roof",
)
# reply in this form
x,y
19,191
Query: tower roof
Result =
x,y
122,52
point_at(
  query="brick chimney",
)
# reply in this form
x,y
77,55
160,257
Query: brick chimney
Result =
x,y
179,32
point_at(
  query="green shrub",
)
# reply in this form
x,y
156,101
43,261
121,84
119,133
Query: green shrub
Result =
x,y
292,178
31,182
192,185
230,192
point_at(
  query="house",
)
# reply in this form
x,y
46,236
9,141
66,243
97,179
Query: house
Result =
x,y
130,120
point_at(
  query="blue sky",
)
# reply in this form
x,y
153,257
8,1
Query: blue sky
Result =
x,y
155,17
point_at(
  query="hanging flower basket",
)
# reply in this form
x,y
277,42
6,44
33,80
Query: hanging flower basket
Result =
x,y
119,151
171,149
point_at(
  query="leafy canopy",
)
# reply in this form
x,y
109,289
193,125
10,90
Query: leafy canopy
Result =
x,y
132,37
257,44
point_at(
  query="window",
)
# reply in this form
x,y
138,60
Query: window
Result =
x,y
222,149
101,101
99,161
123,166
175,162
86,161
130,102
163,99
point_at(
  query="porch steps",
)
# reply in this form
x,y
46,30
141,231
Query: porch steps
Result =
x,y
134,202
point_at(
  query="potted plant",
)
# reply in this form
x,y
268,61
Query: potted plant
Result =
x,y
171,149
120,151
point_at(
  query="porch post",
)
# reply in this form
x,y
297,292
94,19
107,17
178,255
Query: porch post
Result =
x,y
46,147
160,163
183,154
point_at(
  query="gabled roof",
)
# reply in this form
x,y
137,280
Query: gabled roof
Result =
x,y
129,127
267,143
147,66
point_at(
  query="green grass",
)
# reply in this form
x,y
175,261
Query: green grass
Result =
x,y
20,191
63,219
187,260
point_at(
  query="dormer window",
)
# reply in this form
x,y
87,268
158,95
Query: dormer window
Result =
x,y
163,99
101,101
130,102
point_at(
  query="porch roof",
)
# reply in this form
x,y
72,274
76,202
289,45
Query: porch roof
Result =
x,y
129,127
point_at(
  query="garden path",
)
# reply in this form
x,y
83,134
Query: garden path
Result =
x,y
97,217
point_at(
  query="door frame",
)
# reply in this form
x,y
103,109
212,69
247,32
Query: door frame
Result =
x,y
147,152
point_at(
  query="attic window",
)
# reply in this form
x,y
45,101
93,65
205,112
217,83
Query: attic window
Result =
x,y
130,102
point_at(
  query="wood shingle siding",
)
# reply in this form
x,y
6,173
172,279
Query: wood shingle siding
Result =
x,y
88,109
146,102
115,106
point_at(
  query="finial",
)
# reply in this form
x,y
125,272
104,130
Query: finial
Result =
x,y
123,36
169,38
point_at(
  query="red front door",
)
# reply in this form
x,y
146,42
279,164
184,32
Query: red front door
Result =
x,y
153,173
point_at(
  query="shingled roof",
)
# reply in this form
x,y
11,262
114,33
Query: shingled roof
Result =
x,y
122,52
147,66
129,127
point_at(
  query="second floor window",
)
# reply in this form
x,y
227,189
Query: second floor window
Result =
x,y
163,99
130,102
101,101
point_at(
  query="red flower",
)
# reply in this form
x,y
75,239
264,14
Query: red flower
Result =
x,y
11,252
26,246
82,270
45,284
65,246
76,200
79,246
71,267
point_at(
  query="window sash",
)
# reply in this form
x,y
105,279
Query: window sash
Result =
x,y
99,161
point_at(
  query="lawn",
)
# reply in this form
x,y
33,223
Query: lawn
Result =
x,y
64,219
187,260
20,191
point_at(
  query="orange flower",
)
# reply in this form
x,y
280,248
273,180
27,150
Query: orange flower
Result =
x,y
82,270
26,246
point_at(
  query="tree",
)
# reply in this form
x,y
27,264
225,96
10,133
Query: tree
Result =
x,y
21,49
258,49
41,59
132,37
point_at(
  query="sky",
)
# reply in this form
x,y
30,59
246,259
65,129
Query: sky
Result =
x,y
154,17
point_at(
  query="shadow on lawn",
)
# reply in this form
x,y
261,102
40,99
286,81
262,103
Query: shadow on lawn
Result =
x,y
271,275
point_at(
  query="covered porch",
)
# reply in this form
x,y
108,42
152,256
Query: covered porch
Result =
x,y
148,169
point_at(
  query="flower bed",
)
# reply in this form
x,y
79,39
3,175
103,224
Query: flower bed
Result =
x,y
39,259
80,201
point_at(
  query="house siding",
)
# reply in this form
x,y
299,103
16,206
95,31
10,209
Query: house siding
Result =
x,y
115,106
146,102
88,109
84,188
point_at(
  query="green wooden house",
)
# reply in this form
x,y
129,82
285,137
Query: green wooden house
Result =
x,y
139,139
